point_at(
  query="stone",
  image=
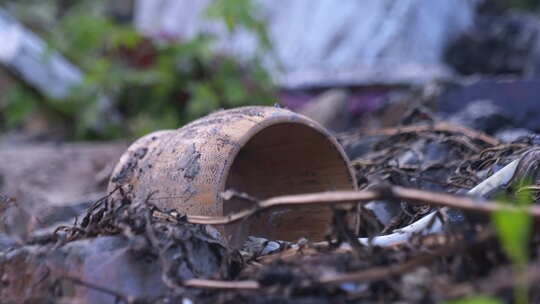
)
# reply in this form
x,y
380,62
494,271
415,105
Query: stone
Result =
x,y
516,100
329,109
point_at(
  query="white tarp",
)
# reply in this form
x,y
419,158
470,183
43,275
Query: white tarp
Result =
x,y
27,55
332,42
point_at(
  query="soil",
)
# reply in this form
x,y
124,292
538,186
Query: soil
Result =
x,y
129,251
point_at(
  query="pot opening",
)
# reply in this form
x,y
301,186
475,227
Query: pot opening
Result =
x,y
283,159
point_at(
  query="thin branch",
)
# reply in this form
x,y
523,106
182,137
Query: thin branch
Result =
x,y
322,198
218,284
343,197
438,127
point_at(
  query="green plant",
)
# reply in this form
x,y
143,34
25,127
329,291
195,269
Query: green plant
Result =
x,y
513,228
476,300
134,85
240,14
523,4
19,104
528,5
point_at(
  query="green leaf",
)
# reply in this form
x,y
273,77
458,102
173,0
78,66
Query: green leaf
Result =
x,y
240,13
203,101
513,226
19,104
513,229
180,80
477,300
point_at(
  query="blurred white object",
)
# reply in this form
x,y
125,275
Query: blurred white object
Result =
x,y
430,223
328,42
27,56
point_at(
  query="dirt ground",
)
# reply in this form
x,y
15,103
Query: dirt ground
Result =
x,y
63,240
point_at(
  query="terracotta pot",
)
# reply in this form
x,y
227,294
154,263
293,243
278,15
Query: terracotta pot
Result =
x,y
262,151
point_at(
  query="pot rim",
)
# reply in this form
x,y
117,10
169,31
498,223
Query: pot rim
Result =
x,y
278,119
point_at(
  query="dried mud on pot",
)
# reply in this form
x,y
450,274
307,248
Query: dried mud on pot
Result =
x,y
261,151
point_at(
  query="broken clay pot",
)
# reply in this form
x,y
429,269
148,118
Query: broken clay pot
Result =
x,y
261,151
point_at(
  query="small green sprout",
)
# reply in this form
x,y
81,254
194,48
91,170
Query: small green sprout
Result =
x,y
513,228
476,300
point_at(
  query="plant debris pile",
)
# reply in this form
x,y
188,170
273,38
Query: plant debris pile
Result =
x,y
124,251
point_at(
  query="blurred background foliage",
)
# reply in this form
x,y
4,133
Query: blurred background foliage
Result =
x,y
521,4
134,85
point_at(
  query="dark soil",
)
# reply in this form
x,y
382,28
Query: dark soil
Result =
x,y
120,251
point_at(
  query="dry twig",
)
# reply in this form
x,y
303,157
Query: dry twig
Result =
x,y
343,197
219,284
438,127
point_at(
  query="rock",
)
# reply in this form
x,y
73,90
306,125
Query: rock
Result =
x,y
329,109
498,44
513,134
482,115
48,178
515,100
113,263
6,241
106,262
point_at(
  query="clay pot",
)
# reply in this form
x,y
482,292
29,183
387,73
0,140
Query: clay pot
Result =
x,y
262,151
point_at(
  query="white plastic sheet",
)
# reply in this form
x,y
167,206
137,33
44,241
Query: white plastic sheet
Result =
x,y
329,42
26,55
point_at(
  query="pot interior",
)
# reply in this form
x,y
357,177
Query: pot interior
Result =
x,y
283,159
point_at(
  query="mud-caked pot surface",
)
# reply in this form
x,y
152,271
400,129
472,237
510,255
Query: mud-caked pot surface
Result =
x,y
261,151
